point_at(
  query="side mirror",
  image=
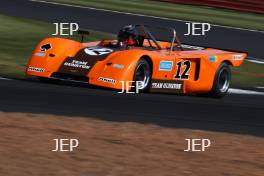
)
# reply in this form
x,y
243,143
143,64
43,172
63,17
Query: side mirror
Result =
x,y
83,33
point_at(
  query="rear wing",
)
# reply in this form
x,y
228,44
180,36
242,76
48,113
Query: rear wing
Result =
x,y
194,47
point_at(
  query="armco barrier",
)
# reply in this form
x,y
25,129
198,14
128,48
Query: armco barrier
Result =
x,y
255,6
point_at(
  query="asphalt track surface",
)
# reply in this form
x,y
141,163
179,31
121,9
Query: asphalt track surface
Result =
x,y
218,37
234,113
241,114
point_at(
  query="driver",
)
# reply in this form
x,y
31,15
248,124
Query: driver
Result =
x,y
128,36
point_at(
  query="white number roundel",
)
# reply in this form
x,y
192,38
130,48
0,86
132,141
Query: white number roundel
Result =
x,y
97,51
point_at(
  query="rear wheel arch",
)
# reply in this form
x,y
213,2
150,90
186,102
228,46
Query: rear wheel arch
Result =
x,y
221,81
228,62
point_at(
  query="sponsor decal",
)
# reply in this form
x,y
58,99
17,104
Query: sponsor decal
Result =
x,y
107,80
237,57
77,64
35,69
192,47
40,54
118,66
97,51
213,59
176,86
45,47
165,65
86,64
167,86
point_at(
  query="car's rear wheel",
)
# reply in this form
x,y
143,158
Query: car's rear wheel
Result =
x,y
221,81
142,75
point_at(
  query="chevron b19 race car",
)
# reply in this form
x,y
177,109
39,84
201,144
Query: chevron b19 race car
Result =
x,y
136,56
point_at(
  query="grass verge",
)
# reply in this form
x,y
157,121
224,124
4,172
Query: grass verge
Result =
x,y
246,76
19,37
178,11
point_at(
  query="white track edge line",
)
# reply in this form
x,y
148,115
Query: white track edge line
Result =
x,y
241,91
2,78
255,60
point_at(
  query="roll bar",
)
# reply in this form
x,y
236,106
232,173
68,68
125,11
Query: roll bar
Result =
x,y
148,35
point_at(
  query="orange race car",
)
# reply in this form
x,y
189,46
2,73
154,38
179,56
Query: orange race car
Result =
x,y
136,56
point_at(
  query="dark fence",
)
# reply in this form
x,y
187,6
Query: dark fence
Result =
x,y
255,6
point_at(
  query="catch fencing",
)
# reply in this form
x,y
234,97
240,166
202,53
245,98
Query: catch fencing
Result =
x,y
255,6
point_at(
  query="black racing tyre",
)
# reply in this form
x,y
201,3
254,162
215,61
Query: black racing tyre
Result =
x,y
221,81
142,73
48,80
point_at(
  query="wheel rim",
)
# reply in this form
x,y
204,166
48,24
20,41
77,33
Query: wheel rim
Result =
x,y
224,80
142,74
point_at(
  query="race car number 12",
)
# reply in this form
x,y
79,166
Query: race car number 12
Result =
x,y
185,72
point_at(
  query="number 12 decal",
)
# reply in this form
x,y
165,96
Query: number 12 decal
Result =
x,y
185,72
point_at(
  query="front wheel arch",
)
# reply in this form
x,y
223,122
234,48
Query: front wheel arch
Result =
x,y
147,64
149,60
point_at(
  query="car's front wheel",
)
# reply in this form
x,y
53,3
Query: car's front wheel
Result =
x,y
221,81
142,75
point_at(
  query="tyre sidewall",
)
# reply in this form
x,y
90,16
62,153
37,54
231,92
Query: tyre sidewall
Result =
x,y
146,88
216,92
